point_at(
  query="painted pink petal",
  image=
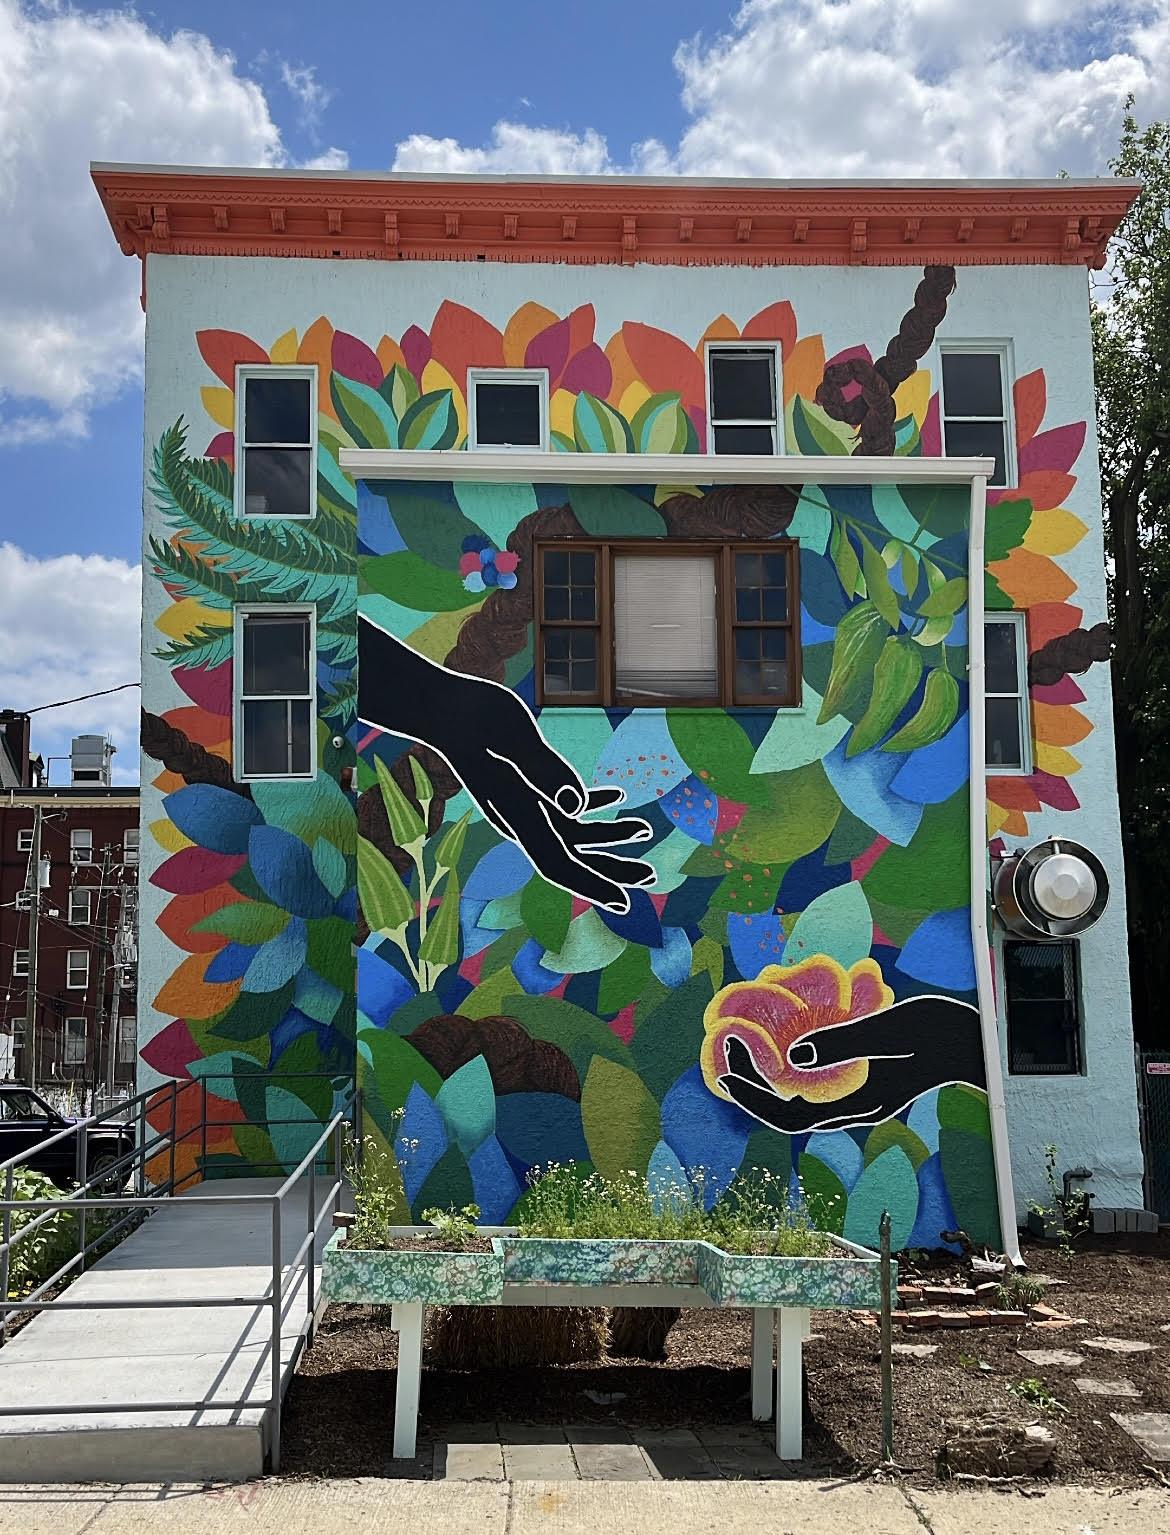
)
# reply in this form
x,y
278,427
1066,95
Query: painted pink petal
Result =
x,y
1063,692
195,869
467,563
354,359
589,370
772,1007
208,687
867,993
506,561
171,1050
817,985
849,353
1057,449
222,446
1054,791
416,349
730,814
699,421
864,862
623,1024
549,349
931,431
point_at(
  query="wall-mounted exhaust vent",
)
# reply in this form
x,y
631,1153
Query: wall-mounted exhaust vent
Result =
x,y
1055,890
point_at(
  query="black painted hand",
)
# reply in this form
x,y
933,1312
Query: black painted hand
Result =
x,y
911,1047
492,743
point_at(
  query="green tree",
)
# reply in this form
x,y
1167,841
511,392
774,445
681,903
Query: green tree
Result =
x,y
1131,337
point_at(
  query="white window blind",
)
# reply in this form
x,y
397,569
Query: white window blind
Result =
x,y
664,625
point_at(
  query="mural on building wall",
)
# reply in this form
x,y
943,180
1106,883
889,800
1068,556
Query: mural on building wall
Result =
x,y
259,878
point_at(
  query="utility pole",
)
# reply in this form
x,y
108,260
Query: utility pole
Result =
x,y
124,957
103,931
33,882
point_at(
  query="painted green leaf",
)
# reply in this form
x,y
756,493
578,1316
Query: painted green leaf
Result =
x,y
440,944
467,1102
851,837
877,583
330,951
430,524
661,425
500,954
424,789
365,415
624,979
860,636
969,1170
888,1183
437,637
330,866
899,666
668,1040
824,1193
503,912
768,1152
493,995
392,1065
451,846
837,923
431,422
933,870
995,599
795,739
588,945
406,825
892,1132
816,432
244,922
964,1108
385,903
621,1120
707,957
933,717
1007,523
252,1014
598,428
615,512
801,812
948,599
718,750
546,911
448,1185
399,390
413,582
581,1035
844,558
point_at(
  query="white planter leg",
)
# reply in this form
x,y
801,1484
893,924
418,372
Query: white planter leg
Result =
x,y
407,1319
790,1383
763,1339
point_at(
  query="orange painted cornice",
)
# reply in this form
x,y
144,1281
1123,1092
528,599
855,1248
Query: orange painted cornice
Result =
x,y
609,219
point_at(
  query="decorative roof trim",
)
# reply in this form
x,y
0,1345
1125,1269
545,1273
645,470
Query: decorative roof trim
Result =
x,y
168,210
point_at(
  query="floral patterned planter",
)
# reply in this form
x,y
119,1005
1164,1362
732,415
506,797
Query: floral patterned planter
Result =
x,y
382,1278
556,1260
848,1280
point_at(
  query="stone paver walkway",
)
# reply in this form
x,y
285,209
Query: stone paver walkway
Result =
x,y
1150,1429
590,1452
1052,1358
1118,1345
1089,1387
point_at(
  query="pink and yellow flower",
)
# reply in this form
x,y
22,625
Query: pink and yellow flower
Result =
x,y
783,1004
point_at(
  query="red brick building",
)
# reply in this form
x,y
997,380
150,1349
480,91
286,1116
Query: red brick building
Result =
x,y
86,947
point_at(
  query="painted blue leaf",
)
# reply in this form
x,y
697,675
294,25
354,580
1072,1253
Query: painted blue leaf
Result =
x,y
923,1119
672,962
755,939
381,989
838,1151
933,773
705,1132
939,952
467,1102
316,996
864,784
230,963
375,525
287,1032
496,1185
293,1139
693,807
329,864
666,1180
421,1139
888,1183
935,1211
837,923
641,758
639,925
538,1128
475,937
529,971
282,866
276,962
212,817
501,871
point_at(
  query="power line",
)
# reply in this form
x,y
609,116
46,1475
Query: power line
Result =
x,y
81,698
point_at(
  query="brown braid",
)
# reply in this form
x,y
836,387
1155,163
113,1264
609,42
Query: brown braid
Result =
x,y
1069,654
872,410
179,754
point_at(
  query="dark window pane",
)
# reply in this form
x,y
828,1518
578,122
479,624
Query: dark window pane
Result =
x,y
749,570
276,482
302,726
775,569
748,608
972,384
556,677
583,605
276,656
747,644
266,737
507,415
1042,1010
570,661
743,386
775,604
556,602
978,439
276,410
1000,640
583,567
1004,746
556,567
744,439
761,664
584,676
556,645
775,644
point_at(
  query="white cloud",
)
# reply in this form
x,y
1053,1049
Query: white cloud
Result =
x,y
331,159
74,88
866,88
69,625
300,80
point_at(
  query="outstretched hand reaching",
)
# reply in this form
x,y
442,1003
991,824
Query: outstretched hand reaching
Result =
x,y
492,743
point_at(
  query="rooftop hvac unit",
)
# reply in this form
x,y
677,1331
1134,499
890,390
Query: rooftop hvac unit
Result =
x,y
90,761
1057,889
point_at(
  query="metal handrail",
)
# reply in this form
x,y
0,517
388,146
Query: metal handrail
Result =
x,y
284,1277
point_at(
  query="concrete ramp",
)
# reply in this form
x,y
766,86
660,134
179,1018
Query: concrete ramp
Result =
x,y
214,1354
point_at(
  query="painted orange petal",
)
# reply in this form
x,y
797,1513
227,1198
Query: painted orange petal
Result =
x,y
776,323
820,983
462,339
1013,794
221,350
389,355
1047,487
665,363
1060,724
528,321
187,995
181,913
804,368
1027,578
869,994
582,323
772,1007
767,1056
1049,620
623,370
1031,397
200,725
721,328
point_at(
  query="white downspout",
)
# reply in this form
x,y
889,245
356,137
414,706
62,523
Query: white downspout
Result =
x,y
980,938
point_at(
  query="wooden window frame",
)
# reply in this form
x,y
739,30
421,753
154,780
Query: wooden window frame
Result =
x,y
724,550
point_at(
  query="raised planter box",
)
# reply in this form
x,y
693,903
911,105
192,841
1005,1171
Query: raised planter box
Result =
x,y
850,1279
557,1260
368,1276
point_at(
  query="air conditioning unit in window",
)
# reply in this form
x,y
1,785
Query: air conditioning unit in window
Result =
x,y
1057,889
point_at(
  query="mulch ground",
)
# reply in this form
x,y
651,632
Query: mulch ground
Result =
x,y
339,1409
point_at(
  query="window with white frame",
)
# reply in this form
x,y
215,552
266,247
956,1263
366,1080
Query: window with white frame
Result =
x,y
77,969
73,1053
23,900
127,1039
274,673
976,389
1009,734
80,907
507,408
24,840
130,845
276,414
19,963
742,396
81,845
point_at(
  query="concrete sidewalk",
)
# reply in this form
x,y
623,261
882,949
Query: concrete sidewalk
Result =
x,y
371,1506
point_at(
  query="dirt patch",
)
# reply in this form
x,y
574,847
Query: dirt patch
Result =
x,y
339,1410
424,1244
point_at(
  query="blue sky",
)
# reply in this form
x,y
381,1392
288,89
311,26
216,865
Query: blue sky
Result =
x,y
766,87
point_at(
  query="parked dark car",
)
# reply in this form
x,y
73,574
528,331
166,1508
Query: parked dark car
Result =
x,y
27,1122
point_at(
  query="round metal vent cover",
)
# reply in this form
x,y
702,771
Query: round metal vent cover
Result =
x,y
1056,889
